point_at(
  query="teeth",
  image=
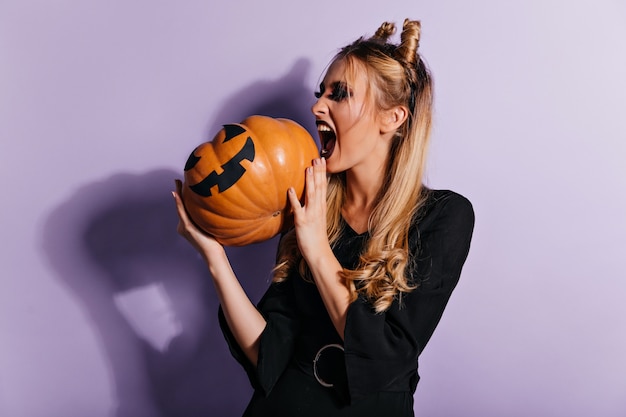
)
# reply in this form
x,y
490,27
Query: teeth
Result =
x,y
323,128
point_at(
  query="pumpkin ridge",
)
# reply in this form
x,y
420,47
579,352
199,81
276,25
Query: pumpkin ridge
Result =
x,y
245,237
280,133
234,198
230,199
239,224
231,217
271,204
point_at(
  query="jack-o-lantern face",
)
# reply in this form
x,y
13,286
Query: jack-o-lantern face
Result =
x,y
231,170
236,185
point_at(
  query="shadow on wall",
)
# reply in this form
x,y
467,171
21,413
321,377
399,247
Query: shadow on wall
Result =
x,y
288,97
144,289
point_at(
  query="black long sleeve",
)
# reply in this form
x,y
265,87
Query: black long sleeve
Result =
x,y
381,350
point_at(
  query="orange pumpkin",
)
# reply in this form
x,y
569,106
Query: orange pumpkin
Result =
x,y
235,186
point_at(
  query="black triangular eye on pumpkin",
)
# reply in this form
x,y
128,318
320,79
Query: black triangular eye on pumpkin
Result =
x,y
192,160
236,186
232,131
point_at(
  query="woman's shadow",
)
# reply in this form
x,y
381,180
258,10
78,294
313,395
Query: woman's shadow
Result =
x,y
146,292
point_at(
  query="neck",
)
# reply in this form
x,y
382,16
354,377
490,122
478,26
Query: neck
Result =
x,y
361,193
361,190
363,183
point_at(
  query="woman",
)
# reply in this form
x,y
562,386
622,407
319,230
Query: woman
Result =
x,y
363,278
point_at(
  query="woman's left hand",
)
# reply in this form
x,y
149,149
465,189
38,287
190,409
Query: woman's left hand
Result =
x,y
310,224
310,218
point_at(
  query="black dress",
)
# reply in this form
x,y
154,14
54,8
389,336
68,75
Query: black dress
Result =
x,y
373,371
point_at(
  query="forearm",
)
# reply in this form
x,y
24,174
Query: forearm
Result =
x,y
310,224
243,319
333,289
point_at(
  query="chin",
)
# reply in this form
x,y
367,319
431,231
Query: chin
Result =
x,y
332,168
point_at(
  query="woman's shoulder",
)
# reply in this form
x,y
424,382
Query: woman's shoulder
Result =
x,y
448,201
444,210
442,230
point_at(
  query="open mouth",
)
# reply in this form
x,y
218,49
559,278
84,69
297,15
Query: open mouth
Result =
x,y
327,139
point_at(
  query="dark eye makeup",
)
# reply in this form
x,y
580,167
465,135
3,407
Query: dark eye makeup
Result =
x,y
339,92
319,94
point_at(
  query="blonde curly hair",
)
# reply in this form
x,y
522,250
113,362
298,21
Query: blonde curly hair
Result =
x,y
398,76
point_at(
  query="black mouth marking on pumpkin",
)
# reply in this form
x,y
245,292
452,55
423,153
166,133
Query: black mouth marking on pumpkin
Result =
x,y
232,170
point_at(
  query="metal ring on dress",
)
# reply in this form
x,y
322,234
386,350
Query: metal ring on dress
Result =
x,y
317,357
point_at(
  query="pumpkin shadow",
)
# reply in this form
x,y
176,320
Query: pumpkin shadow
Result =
x,y
289,98
145,291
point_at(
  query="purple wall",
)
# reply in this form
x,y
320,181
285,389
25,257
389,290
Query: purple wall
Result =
x,y
105,311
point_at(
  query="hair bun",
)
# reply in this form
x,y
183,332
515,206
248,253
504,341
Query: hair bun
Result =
x,y
385,31
409,41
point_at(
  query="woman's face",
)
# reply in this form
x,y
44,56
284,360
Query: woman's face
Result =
x,y
347,122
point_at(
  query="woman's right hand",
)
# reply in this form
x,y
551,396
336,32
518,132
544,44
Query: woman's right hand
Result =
x,y
204,243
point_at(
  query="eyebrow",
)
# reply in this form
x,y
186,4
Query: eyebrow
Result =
x,y
333,85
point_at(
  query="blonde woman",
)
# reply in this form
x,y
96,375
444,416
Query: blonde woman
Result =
x,y
364,276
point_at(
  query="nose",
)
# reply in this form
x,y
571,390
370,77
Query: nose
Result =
x,y
319,108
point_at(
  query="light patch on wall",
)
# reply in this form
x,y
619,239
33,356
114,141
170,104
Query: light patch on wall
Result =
x,y
149,312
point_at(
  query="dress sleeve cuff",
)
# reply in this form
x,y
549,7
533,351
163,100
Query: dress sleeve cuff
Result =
x,y
276,343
